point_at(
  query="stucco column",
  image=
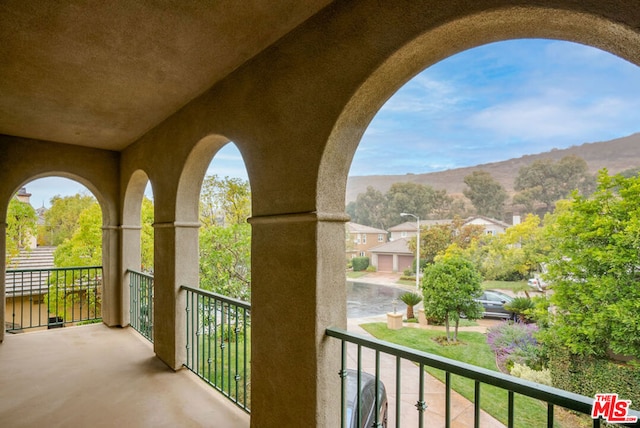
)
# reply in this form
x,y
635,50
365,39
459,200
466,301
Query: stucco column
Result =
x,y
111,280
175,264
298,290
3,303
130,241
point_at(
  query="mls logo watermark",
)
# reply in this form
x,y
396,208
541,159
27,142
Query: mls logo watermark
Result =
x,y
612,409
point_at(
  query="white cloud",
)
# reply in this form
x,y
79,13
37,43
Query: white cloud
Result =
x,y
500,101
538,119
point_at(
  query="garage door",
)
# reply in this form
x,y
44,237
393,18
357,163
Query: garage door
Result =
x,y
404,262
385,263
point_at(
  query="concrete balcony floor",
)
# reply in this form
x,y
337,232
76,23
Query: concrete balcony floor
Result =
x,y
95,376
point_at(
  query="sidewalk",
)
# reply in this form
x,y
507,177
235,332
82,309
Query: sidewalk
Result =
x,y
462,411
382,278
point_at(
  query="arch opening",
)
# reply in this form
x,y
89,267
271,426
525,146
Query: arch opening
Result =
x,y
350,129
54,256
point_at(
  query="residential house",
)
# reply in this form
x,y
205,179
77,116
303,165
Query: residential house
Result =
x,y
491,226
119,94
394,256
408,229
360,238
25,294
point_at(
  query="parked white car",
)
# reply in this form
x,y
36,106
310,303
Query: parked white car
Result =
x,y
537,283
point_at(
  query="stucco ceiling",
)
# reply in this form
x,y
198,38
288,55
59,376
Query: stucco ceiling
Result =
x,y
101,74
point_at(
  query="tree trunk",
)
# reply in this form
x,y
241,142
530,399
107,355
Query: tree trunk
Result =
x,y
455,333
446,325
410,312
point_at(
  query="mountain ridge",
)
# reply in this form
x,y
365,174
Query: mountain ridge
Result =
x,y
616,155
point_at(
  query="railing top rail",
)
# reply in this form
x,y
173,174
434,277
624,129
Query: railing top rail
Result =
x,y
559,397
53,269
145,274
230,300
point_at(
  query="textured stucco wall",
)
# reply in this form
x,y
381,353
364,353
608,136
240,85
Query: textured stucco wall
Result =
x,y
297,112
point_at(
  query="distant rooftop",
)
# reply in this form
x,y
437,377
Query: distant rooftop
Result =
x,y
361,228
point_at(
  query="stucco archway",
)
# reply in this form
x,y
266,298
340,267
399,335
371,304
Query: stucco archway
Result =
x,y
131,234
436,44
180,267
110,284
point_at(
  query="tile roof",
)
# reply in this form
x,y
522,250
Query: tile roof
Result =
x,y
399,246
361,228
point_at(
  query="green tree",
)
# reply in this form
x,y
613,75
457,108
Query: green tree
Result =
x,y
450,286
84,248
436,239
61,219
372,208
224,201
486,194
433,241
225,238
369,208
513,255
225,260
146,235
414,198
546,181
410,299
21,227
594,271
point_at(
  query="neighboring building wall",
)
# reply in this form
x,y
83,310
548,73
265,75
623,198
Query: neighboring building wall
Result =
x,y
361,238
26,311
404,230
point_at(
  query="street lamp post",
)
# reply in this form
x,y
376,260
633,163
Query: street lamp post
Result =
x,y
417,248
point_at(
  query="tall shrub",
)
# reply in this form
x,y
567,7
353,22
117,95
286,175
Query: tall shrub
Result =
x,y
360,263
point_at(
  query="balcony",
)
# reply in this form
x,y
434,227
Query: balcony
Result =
x,y
94,375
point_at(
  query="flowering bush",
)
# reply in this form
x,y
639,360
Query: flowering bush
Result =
x,y
515,343
541,376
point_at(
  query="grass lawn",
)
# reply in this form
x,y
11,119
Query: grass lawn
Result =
x,y
220,361
406,282
474,350
352,274
505,285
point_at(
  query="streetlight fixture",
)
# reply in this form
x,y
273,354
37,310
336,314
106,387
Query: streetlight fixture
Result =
x,y
417,248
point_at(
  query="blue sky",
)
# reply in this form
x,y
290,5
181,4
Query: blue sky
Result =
x,y
487,104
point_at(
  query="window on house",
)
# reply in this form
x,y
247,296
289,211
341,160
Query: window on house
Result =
x,y
364,238
380,237
358,239
362,254
403,234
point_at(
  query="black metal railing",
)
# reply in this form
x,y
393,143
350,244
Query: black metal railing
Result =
x,y
52,297
513,386
218,343
141,303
